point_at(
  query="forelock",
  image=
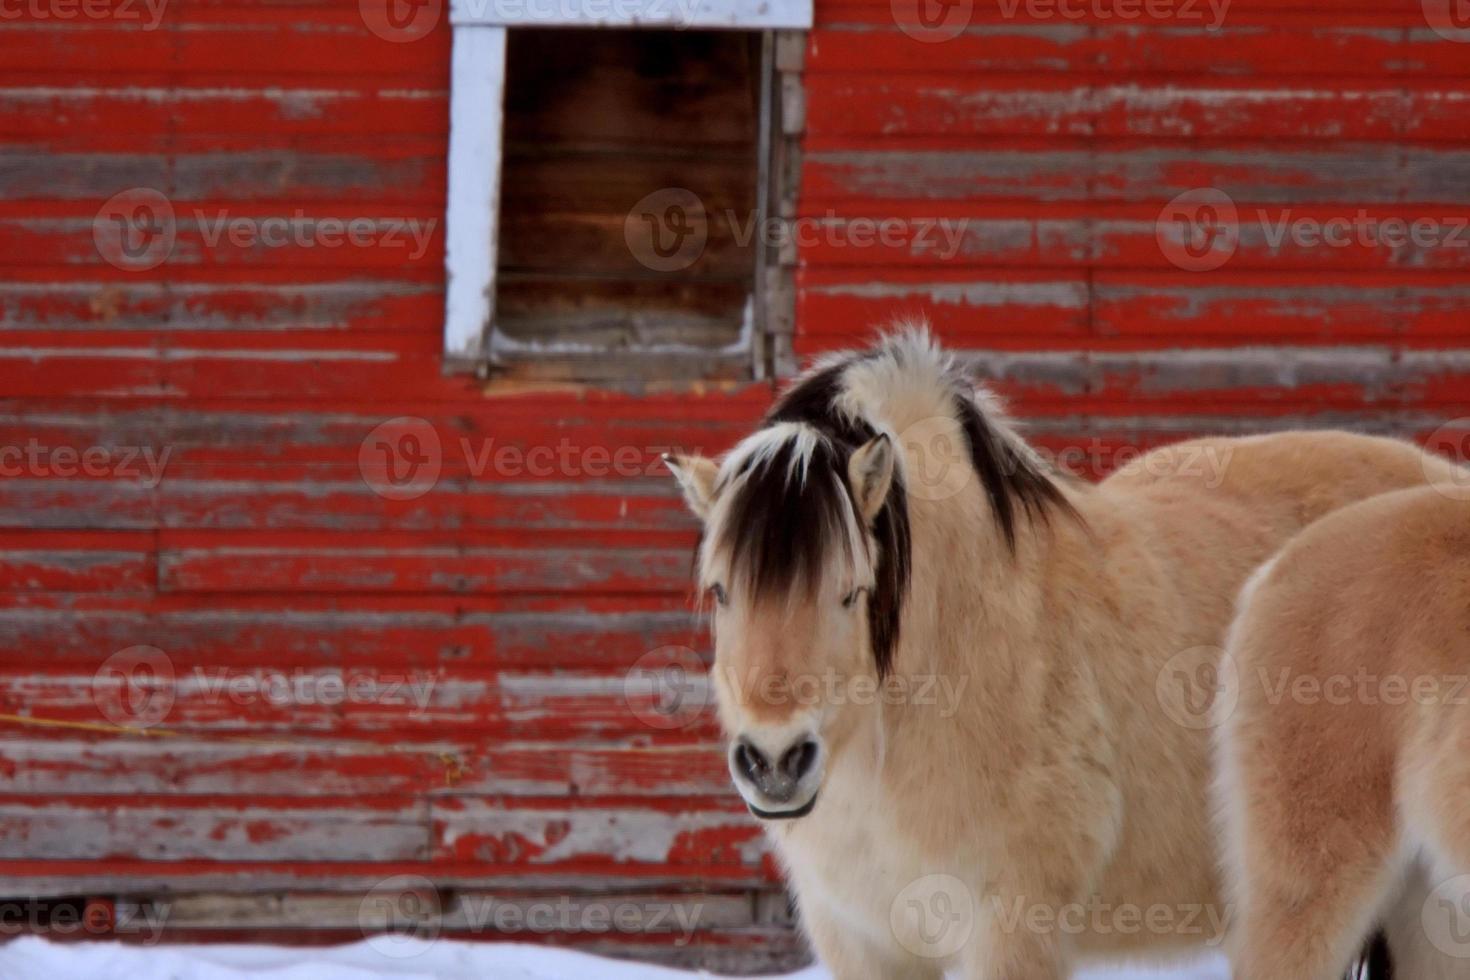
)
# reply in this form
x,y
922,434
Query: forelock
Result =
x,y
786,516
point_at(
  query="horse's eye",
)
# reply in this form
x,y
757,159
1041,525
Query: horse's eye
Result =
x,y
718,591
851,598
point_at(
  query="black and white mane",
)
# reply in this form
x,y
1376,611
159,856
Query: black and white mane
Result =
x,y
791,505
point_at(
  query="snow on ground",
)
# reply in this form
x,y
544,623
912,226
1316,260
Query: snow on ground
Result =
x,y
31,958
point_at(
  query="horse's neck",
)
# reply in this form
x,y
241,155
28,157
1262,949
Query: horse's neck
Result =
x,y
979,611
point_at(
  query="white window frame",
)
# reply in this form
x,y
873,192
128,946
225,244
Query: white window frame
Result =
x,y
476,114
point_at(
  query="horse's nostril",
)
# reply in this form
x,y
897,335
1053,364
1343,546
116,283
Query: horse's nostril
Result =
x,y
749,761
799,759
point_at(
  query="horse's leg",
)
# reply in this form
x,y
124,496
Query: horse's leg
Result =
x,y
1313,851
1429,932
1311,866
1016,955
850,956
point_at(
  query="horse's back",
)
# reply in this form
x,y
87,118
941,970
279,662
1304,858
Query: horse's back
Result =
x,y
1299,475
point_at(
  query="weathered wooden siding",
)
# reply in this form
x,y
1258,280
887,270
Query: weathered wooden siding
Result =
x,y
518,594
1051,144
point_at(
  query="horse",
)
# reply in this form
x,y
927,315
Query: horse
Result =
x,y
949,672
1344,768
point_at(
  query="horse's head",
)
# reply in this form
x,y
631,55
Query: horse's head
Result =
x,y
804,565
806,555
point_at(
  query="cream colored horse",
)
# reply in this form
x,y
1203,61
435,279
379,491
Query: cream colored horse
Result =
x,y
1346,765
962,692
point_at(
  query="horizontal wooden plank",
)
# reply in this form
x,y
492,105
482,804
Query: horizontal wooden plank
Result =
x,y
863,39
57,877
79,764
190,236
262,701
1245,308
974,310
1084,104
173,830
1107,171
141,117
404,171
421,635
483,914
684,835
1111,235
1122,310
454,570
473,829
24,566
359,305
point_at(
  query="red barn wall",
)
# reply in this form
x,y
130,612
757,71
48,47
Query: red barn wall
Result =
x,y
523,592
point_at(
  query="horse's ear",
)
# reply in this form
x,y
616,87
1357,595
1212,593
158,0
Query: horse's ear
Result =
x,y
696,476
870,474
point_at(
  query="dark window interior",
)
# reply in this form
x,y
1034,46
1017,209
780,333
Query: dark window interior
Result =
x,y
598,122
